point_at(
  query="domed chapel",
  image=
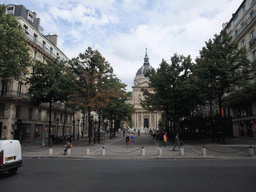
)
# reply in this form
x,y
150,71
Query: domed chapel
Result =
x,y
143,119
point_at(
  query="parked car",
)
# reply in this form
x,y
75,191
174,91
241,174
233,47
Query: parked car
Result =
x,y
10,156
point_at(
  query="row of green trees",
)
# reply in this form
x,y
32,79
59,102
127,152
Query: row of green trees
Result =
x,y
85,83
181,86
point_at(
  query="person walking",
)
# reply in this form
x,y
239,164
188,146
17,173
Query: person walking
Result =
x,y
165,140
177,141
128,140
132,140
68,145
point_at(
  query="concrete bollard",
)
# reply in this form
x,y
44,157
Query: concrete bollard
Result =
x,y
103,151
143,152
251,151
203,150
182,151
87,151
69,151
50,151
160,152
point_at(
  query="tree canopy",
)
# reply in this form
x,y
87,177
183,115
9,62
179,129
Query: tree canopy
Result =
x,y
48,84
222,67
14,51
171,89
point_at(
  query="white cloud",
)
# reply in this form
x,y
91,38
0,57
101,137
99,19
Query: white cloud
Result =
x,y
122,30
133,5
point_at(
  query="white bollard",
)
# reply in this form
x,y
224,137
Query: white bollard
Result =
x,y
50,151
69,151
103,151
251,151
87,151
203,150
181,151
143,152
160,153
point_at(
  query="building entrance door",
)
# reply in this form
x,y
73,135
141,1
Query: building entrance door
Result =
x,y
146,123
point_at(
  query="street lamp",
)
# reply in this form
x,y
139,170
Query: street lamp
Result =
x,y
78,121
73,130
83,128
57,120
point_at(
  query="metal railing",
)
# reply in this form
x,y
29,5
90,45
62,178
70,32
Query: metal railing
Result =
x,y
245,24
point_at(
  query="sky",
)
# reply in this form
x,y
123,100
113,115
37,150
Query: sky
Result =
x,y
121,30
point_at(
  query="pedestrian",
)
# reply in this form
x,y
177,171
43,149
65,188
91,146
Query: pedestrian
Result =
x,y
4,137
132,140
165,139
127,140
138,132
68,145
177,141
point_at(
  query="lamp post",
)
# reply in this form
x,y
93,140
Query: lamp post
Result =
x,y
73,130
57,120
83,127
78,121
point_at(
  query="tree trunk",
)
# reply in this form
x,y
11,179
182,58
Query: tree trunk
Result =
x,y
50,125
99,126
74,125
64,124
221,122
90,125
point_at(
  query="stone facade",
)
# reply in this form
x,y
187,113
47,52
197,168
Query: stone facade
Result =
x,y
242,28
142,119
18,118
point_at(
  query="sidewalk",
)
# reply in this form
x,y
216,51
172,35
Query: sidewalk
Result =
x,y
115,148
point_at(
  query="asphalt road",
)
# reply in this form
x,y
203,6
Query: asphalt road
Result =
x,y
131,175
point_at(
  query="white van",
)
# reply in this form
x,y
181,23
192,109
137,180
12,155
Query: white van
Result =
x,y
10,156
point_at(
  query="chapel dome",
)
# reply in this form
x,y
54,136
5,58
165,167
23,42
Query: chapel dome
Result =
x,y
140,75
146,66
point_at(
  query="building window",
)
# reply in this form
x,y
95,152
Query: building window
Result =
x,y
10,10
25,29
44,43
39,115
19,90
51,50
2,108
30,113
252,34
244,8
44,60
243,45
34,55
4,87
254,55
35,37
18,112
235,19
229,27
30,16
236,32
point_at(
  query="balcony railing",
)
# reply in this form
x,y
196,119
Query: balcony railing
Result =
x,y
245,24
39,44
252,42
14,93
